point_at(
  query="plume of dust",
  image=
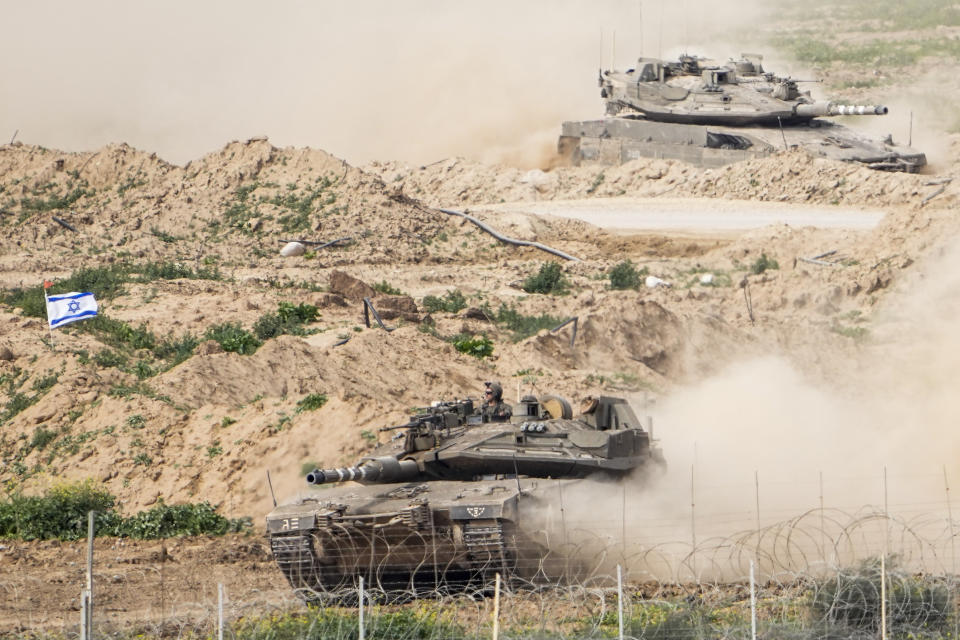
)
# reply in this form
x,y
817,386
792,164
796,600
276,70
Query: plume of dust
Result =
x,y
415,81
759,444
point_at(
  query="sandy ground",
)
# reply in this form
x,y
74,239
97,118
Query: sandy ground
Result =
x,y
844,363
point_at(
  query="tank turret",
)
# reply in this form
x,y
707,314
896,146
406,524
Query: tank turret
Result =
x,y
711,114
443,499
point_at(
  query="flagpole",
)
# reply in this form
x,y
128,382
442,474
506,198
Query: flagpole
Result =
x,y
46,306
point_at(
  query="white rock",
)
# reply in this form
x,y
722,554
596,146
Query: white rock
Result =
x,y
653,282
706,278
292,249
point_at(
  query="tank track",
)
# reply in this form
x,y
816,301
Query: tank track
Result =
x,y
485,552
486,548
295,558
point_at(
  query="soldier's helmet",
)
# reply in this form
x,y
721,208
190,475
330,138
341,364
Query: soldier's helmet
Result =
x,y
495,389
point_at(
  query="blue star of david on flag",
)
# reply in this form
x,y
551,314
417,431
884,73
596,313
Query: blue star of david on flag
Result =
x,y
69,307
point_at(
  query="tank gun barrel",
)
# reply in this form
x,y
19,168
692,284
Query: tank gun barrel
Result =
x,y
831,109
374,470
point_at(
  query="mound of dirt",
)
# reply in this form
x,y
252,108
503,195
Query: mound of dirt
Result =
x,y
93,404
789,177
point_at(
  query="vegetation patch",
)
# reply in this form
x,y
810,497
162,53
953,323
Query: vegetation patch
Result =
x,y
342,624
386,288
476,346
522,326
233,338
549,280
450,302
61,514
311,402
763,263
52,197
104,282
625,275
851,600
288,319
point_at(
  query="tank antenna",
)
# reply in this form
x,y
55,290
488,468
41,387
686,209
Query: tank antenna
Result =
x,y
613,51
516,474
601,49
660,43
640,20
270,484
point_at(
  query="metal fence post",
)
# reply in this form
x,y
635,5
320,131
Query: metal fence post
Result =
x,y
360,607
88,616
84,615
219,611
620,600
753,606
496,608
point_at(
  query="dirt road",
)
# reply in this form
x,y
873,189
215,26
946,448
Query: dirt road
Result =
x,y
696,215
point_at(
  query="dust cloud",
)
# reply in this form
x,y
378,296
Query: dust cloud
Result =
x,y
415,81
760,443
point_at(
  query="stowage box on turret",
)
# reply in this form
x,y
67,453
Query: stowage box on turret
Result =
x,y
442,504
710,115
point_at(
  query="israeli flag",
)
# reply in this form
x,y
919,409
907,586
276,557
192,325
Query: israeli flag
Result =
x,y
70,307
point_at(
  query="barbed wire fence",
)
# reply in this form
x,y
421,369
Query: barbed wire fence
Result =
x,y
816,575
820,573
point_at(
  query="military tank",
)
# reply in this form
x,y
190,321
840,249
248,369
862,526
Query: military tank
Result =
x,y
710,115
451,500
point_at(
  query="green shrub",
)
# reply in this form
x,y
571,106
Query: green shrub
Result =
x,y
267,326
302,313
163,236
549,279
234,338
176,350
289,318
312,402
386,288
61,513
476,346
763,263
17,403
626,276
523,326
142,369
46,382
451,302
118,333
41,438
166,521
108,358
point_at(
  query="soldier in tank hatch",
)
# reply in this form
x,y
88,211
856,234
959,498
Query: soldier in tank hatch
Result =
x,y
493,408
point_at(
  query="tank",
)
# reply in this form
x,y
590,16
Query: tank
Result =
x,y
710,115
451,500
